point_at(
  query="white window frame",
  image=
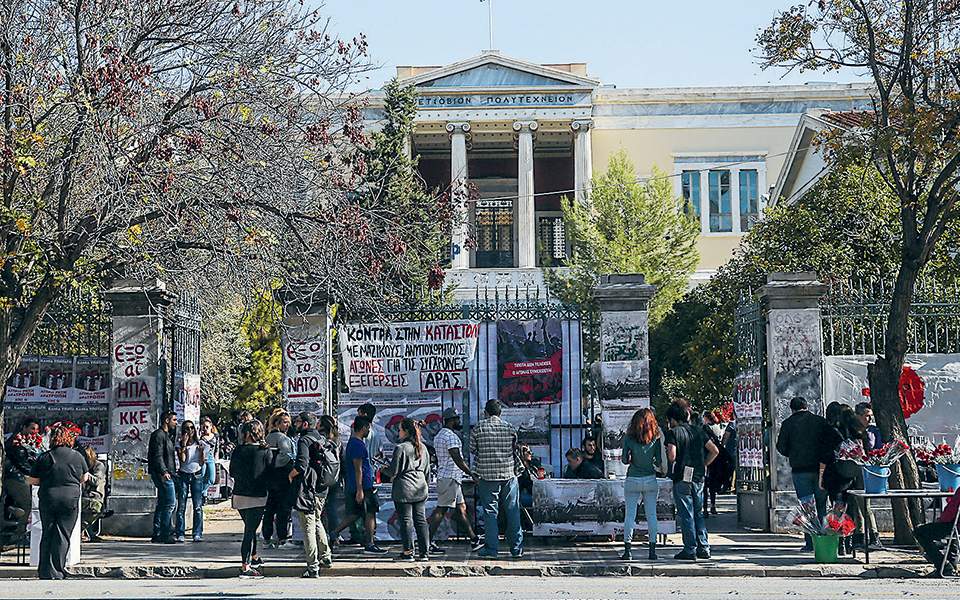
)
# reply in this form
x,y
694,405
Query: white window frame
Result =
x,y
721,161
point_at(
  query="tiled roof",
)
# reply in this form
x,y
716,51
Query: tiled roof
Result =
x,y
848,119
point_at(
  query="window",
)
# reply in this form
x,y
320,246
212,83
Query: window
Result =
x,y
721,217
749,199
494,225
690,186
551,241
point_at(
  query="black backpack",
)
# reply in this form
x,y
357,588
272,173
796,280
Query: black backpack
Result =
x,y
325,463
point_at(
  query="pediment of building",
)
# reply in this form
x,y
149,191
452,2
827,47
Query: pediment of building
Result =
x,y
491,70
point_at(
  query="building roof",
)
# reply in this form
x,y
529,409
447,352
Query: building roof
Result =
x,y
805,163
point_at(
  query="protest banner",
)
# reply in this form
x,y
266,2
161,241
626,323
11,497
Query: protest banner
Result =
x,y
408,358
391,410
530,362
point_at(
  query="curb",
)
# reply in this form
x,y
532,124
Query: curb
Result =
x,y
472,570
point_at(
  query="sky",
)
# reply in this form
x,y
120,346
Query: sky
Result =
x,y
627,43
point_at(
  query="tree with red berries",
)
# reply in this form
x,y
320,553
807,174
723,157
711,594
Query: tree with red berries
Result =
x,y
184,140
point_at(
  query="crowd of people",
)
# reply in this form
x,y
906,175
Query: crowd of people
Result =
x,y
71,485
298,464
811,443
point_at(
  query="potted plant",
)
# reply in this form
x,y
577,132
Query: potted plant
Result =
x,y
826,534
946,460
876,463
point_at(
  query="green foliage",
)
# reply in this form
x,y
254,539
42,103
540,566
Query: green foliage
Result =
x,y
260,382
392,183
628,227
846,226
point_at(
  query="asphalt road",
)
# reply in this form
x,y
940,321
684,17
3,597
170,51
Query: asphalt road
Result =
x,y
488,588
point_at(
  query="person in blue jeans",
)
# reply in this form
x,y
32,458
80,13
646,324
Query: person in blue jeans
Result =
x,y
689,452
162,466
806,440
493,444
191,480
641,451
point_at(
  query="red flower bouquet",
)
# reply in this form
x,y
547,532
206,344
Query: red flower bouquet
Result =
x,y
942,454
33,441
885,456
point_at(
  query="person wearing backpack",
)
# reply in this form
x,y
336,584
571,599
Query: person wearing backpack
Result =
x,y
315,471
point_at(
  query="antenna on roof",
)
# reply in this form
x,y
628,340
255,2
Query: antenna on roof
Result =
x,y
490,20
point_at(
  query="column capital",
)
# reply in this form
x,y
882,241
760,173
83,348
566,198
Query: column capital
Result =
x,y
524,126
458,127
793,290
581,125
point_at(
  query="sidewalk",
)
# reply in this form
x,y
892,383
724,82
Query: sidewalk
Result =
x,y
736,553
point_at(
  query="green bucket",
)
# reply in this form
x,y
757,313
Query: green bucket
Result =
x,y
825,548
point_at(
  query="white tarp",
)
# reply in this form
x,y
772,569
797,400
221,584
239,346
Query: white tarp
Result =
x,y
845,380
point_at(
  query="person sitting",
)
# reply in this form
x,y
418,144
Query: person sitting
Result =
x,y
92,497
591,453
932,537
579,468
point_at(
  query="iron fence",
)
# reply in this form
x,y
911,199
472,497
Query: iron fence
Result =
x,y
854,314
78,323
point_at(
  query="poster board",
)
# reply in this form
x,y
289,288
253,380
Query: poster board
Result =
x,y
565,507
530,362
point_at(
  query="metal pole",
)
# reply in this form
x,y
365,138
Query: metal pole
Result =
x,y
490,19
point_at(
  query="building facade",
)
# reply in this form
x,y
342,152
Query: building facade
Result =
x,y
525,136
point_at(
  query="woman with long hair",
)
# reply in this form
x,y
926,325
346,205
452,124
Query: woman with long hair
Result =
x,y
409,469
642,451
191,480
93,493
250,468
276,515
60,472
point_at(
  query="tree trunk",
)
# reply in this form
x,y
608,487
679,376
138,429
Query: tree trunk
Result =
x,y
884,377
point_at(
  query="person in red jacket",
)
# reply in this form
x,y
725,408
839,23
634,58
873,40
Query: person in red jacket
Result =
x,y
933,537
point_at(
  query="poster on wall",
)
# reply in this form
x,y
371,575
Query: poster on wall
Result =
x,y
408,358
58,388
186,396
623,336
564,507
615,424
530,362
388,519
391,410
624,382
532,423
930,386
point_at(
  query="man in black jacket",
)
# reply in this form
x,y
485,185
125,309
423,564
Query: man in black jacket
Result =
x,y
162,466
804,438
579,467
311,493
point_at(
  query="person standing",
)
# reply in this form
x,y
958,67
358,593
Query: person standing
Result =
x,y
162,466
642,452
317,456
360,496
92,496
20,452
276,515
451,467
804,439
409,469
191,480
690,453
864,412
250,469
493,445
60,473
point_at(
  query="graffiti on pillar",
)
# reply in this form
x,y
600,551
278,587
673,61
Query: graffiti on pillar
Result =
x,y
623,335
306,366
135,401
795,355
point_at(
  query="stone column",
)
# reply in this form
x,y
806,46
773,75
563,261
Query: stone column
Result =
x,y
794,361
582,159
307,353
622,375
525,209
137,398
459,254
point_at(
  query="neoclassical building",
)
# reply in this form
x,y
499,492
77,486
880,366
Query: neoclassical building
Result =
x,y
527,135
